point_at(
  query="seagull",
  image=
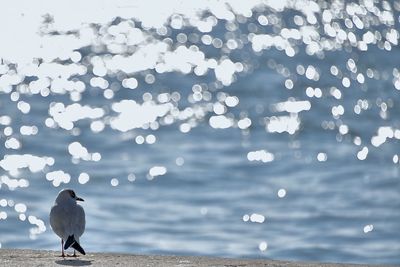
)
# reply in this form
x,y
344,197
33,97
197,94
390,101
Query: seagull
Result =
x,y
67,219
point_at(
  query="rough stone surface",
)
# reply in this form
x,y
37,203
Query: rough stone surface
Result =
x,y
42,258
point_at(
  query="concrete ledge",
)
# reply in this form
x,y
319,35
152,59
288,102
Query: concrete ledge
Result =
x,y
42,258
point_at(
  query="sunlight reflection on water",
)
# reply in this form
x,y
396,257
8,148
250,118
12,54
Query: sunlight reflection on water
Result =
x,y
201,117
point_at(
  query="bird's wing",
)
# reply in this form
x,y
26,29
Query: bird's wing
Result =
x,y
56,221
79,222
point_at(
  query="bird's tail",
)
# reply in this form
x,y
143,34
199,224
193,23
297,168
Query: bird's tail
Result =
x,y
71,242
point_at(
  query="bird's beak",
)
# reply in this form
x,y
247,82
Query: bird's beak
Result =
x,y
79,199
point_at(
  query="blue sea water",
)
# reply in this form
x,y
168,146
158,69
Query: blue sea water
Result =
x,y
265,132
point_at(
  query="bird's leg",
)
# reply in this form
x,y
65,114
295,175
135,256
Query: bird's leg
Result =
x,y
74,253
62,248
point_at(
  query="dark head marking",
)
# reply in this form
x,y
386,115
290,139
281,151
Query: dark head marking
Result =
x,y
72,193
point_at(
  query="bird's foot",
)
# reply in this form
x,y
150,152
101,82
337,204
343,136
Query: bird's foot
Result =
x,y
72,255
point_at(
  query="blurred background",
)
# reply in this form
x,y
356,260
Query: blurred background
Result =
x,y
263,129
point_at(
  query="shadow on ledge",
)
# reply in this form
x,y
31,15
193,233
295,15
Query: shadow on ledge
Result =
x,y
74,262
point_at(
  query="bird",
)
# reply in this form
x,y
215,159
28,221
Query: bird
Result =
x,y
67,219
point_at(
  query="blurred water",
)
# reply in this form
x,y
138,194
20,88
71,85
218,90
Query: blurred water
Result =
x,y
261,129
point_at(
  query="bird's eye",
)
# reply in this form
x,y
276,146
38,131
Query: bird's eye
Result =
x,y
72,194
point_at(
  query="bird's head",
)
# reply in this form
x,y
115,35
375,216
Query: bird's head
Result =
x,y
66,195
